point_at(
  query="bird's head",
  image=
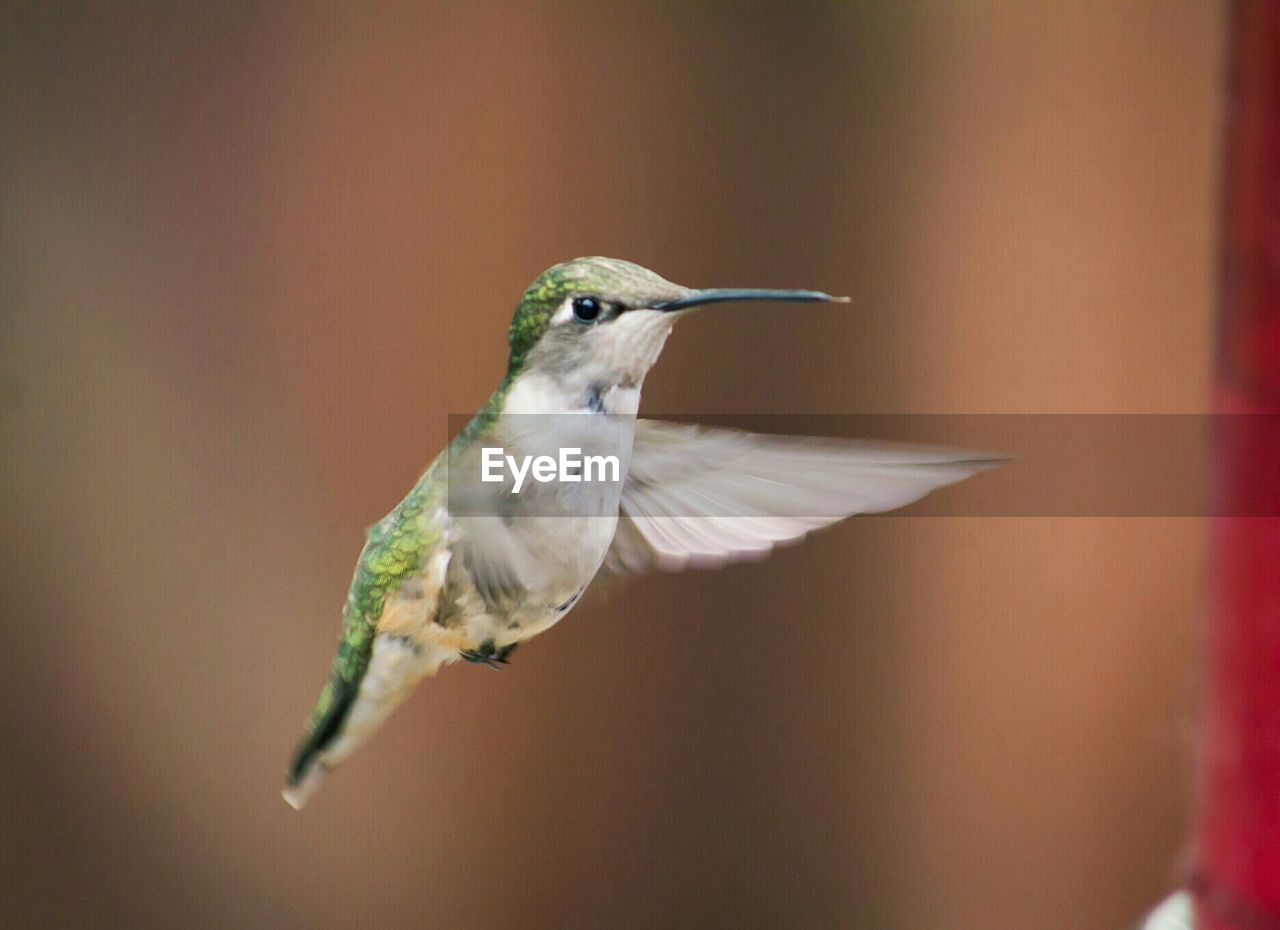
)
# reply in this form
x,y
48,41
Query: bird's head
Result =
x,y
605,320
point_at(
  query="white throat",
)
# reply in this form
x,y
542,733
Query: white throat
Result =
x,y
541,393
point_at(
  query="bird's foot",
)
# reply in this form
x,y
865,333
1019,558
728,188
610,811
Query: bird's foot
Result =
x,y
489,654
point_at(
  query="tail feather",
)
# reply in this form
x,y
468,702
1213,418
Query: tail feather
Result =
x,y
349,713
369,676
306,771
296,793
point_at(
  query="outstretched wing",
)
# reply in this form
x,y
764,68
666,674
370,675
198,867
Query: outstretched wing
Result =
x,y
697,497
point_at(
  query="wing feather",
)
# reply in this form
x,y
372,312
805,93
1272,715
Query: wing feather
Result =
x,y
697,497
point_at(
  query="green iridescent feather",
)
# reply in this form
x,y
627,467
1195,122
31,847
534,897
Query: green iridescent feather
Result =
x,y
392,554
607,277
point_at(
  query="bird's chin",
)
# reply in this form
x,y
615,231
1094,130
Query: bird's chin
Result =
x,y
633,342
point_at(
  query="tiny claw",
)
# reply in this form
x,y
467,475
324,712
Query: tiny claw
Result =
x,y
488,654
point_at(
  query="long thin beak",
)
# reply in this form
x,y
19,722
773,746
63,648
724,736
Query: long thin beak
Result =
x,y
716,295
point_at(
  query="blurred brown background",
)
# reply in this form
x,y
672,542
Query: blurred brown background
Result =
x,y
252,256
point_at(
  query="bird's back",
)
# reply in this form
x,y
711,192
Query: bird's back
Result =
x,y
395,591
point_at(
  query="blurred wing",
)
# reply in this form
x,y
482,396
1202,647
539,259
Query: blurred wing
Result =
x,y
499,564
701,498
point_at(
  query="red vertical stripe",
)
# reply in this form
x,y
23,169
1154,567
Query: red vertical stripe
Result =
x,y
1239,817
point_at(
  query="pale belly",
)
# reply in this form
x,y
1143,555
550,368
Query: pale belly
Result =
x,y
570,550
562,531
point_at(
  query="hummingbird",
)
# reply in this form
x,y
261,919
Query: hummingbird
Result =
x,y
464,570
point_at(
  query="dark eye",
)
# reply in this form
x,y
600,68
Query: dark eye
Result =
x,y
586,309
